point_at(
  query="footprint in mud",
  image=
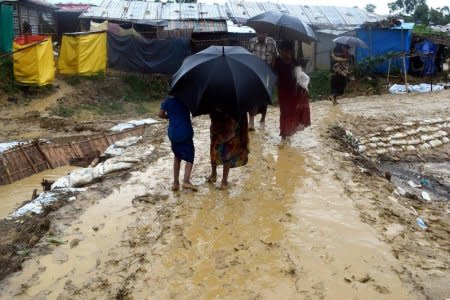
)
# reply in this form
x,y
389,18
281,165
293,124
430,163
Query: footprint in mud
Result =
x,y
150,198
59,256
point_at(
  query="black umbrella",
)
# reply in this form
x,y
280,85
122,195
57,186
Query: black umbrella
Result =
x,y
350,41
228,79
282,26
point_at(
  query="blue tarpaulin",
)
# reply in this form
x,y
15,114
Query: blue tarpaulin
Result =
x,y
130,53
383,41
427,51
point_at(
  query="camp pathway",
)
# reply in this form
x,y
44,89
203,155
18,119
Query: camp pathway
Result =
x,y
285,228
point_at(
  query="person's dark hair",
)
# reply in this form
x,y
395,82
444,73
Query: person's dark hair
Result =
x,y
340,48
287,45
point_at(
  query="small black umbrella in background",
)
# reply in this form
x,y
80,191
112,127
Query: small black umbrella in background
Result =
x,y
282,26
228,79
350,41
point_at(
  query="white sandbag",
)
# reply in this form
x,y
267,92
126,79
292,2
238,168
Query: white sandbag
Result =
x,y
148,121
128,141
36,205
60,183
122,126
112,150
110,166
8,145
81,177
98,171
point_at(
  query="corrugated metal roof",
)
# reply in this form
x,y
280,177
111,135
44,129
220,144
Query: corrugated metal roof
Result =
x,y
320,16
43,3
152,11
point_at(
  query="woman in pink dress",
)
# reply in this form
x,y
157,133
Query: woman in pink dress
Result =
x,y
292,98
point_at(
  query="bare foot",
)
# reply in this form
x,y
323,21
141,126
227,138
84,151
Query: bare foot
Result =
x,y
176,187
223,186
189,186
212,178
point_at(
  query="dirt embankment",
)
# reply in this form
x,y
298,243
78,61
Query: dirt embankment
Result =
x,y
403,154
79,106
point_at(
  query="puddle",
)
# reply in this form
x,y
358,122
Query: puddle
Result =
x,y
14,194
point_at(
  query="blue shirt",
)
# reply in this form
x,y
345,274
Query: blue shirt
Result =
x,y
180,126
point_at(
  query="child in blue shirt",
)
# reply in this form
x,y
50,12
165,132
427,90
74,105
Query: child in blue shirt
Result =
x,y
181,136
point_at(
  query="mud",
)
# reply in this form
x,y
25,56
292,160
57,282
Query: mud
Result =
x,y
299,221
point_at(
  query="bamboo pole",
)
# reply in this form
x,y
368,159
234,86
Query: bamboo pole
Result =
x,y
48,161
389,71
404,69
8,174
30,162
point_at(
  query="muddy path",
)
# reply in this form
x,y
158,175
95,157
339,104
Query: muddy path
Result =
x,y
294,224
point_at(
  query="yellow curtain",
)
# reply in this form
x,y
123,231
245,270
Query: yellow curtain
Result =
x,y
83,54
34,65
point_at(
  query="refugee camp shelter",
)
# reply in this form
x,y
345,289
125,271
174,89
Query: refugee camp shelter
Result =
x,y
67,17
383,40
328,22
160,18
18,17
83,53
33,60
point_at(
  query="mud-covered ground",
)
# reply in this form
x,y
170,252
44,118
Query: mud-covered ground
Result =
x,y
308,219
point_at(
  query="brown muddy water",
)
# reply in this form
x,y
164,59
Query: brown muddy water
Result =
x,y
284,229
14,194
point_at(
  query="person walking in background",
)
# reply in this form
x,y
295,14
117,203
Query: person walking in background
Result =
x,y
181,136
340,69
265,48
229,144
293,98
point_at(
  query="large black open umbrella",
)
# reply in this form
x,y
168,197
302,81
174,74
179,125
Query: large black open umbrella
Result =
x,y
282,26
228,79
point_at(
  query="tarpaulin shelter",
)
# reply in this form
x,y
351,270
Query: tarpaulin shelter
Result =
x,y
129,53
33,60
382,41
427,51
6,27
83,53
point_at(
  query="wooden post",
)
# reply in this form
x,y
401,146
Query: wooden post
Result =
x,y
107,138
8,174
404,69
389,71
49,163
28,160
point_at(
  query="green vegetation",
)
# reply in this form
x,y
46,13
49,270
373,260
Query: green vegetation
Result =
x,y
77,79
424,30
103,107
7,83
320,85
143,88
63,111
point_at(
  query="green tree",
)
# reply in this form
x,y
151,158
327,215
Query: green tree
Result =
x,y
405,6
421,14
370,8
436,17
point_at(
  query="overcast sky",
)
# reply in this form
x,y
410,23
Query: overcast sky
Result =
x,y
381,4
